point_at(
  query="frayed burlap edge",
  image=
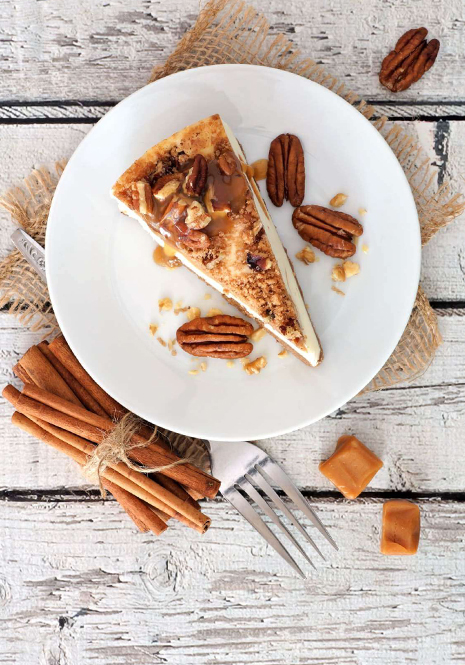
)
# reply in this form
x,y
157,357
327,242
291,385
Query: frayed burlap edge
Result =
x,y
229,31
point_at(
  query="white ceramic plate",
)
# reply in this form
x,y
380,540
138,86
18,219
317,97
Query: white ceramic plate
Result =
x,y
105,286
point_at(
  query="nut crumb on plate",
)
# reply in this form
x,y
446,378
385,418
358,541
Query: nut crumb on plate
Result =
x,y
362,211
203,367
338,200
306,255
193,372
230,364
153,329
193,313
351,268
365,249
214,311
207,296
282,354
336,290
162,341
258,334
255,366
165,304
338,273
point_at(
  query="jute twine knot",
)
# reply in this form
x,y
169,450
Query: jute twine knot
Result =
x,y
116,447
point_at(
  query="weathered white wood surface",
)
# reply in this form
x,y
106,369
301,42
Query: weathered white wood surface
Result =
x,y
84,588
25,147
78,584
82,49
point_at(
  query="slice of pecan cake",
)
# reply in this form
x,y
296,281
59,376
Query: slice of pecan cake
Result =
x,y
192,193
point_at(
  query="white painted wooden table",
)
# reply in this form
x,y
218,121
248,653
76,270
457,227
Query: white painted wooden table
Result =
x,y
78,585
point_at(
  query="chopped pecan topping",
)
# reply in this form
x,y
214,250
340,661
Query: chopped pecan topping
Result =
x,y
285,177
411,58
197,217
227,163
167,185
258,263
195,239
142,197
328,230
216,337
197,177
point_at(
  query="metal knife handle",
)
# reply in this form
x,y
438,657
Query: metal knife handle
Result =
x,y
31,250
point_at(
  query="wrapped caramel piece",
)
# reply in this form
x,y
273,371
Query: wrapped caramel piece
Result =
x,y
351,467
401,527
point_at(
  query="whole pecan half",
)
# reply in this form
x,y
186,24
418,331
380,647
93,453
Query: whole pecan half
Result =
x,y
285,176
220,336
197,176
411,58
328,230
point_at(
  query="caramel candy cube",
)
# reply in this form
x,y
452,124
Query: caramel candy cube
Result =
x,y
351,467
401,527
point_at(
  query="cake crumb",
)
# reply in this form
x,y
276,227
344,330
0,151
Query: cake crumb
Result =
x,y
282,354
214,311
171,343
338,200
336,290
162,341
255,366
203,367
362,211
165,304
230,364
338,273
207,296
193,372
174,352
306,255
258,334
365,249
153,329
193,313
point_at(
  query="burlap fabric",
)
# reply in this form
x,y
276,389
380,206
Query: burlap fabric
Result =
x,y
229,31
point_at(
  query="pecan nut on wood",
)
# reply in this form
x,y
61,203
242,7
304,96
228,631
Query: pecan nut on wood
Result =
x,y
285,176
329,230
410,59
197,177
220,336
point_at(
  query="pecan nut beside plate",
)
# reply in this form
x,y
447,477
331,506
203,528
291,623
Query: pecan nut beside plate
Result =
x,y
285,176
220,336
330,231
197,176
411,58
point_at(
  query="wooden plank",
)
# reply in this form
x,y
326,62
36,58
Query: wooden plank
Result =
x,y
29,146
87,50
78,585
416,429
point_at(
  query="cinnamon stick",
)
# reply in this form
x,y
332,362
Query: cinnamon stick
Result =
x,y
22,374
80,457
167,501
141,514
59,347
44,375
84,396
150,456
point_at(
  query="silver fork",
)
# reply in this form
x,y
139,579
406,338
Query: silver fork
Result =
x,y
242,468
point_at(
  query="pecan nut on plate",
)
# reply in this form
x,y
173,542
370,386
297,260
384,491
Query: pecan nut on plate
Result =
x,y
411,58
220,336
197,176
329,230
285,176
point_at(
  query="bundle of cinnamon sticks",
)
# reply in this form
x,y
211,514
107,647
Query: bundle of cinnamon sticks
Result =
x,y
63,406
